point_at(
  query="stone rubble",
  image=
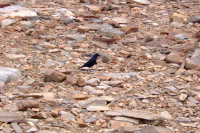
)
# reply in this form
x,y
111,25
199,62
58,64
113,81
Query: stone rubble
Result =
x,y
146,79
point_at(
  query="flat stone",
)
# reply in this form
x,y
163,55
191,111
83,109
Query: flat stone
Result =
x,y
16,127
15,56
118,124
76,37
145,2
112,83
67,116
16,10
140,114
126,119
12,107
121,75
11,117
153,129
108,30
81,96
7,22
120,20
90,120
97,108
97,101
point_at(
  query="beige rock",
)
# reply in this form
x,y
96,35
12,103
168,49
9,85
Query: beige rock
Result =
x,y
11,117
177,17
94,9
174,58
53,75
166,115
25,104
183,97
97,108
120,20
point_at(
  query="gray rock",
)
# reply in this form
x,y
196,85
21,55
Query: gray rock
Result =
x,y
181,36
9,74
67,116
90,120
96,20
92,101
66,20
194,62
196,55
76,37
194,19
105,59
108,30
121,75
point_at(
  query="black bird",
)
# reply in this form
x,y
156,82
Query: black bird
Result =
x,y
91,62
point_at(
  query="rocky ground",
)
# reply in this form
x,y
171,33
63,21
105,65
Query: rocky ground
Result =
x,y
146,80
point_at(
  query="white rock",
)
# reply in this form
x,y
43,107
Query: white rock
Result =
x,y
7,22
146,2
9,74
16,10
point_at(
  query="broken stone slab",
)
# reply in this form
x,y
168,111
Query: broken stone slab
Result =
x,y
11,117
140,114
9,74
92,101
